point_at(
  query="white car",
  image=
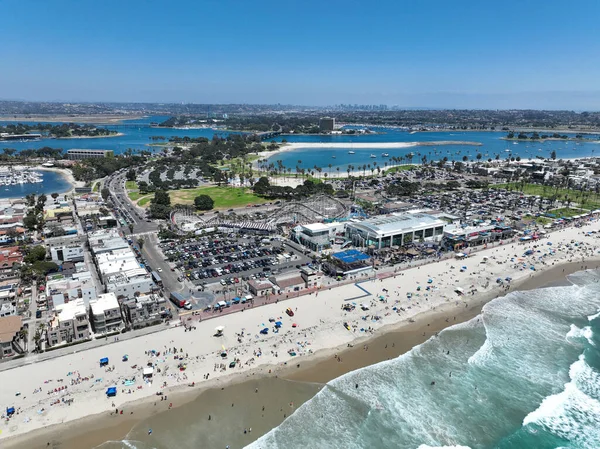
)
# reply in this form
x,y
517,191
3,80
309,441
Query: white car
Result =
x,y
159,270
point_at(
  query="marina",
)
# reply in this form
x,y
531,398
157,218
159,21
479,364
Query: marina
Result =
x,y
11,177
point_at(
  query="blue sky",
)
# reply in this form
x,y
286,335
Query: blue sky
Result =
x,y
463,53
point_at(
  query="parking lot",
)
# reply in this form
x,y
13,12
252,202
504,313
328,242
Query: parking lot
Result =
x,y
229,259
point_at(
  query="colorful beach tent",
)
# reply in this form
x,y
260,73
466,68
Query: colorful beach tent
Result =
x,y
10,411
104,361
112,391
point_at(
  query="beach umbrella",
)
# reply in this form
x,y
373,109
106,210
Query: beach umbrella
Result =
x,y
294,325
429,281
219,329
463,268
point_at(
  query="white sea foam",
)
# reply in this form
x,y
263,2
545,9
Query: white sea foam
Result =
x,y
576,333
424,446
572,414
593,317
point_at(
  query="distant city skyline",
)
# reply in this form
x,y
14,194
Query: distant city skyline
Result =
x,y
524,54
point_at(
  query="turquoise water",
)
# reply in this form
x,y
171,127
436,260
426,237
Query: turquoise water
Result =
x,y
138,138
525,374
53,182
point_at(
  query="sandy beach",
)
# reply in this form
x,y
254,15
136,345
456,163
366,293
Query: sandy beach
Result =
x,y
65,173
64,389
360,145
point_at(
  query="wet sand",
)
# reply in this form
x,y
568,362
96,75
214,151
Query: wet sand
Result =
x,y
291,384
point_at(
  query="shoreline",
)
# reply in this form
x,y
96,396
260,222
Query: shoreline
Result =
x,y
100,119
290,146
330,336
86,137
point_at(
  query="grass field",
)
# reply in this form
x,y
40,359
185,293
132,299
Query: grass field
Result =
x,y
135,195
591,201
145,200
566,212
224,197
399,168
130,185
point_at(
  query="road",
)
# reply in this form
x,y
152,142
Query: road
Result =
x,y
123,205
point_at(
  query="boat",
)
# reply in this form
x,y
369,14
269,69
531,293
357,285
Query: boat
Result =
x,y
333,157
373,156
351,152
385,155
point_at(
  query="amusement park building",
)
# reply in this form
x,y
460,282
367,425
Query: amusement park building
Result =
x,y
395,230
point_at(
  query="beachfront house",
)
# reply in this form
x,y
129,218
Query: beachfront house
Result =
x,y
105,313
70,324
145,310
10,330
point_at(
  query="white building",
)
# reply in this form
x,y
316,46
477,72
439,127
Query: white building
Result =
x,y
61,289
129,283
106,314
70,324
317,236
395,230
115,262
71,253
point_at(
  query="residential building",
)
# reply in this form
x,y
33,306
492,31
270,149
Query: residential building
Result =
x,y
72,253
10,328
11,259
70,324
88,154
145,310
106,314
61,289
129,283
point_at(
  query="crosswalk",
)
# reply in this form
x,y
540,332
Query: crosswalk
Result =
x,y
140,234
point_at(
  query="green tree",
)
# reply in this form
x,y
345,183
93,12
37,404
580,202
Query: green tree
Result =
x,y
35,254
143,186
553,155
204,202
54,196
162,197
30,221
131,175
105,193
130,226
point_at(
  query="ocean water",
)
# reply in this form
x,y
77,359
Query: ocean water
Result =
x,y
524,374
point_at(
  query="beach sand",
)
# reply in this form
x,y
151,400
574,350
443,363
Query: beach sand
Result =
x,y
321,335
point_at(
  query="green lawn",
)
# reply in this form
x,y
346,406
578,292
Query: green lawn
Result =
x,y
566,212
96,187
134,196
399,168
224,197
131,185
591,201
145,200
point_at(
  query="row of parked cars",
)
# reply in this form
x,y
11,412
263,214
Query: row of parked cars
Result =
x,y
239,267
